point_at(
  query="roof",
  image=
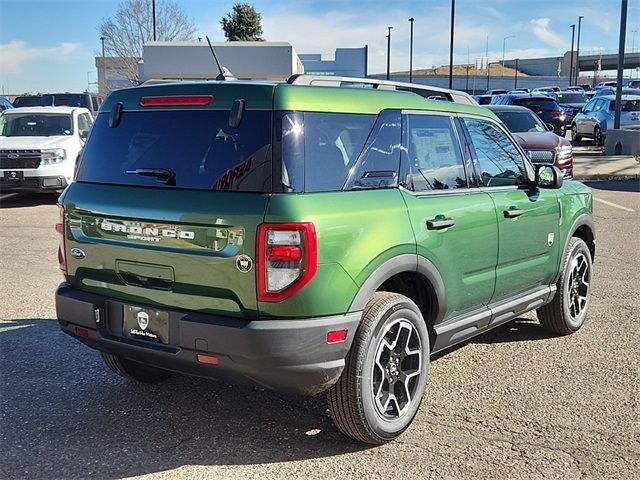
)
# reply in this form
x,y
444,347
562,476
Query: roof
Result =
x,y
287,97
507,108
64,110
613,97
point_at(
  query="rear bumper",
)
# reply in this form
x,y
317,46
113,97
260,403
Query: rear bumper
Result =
x,y
285,355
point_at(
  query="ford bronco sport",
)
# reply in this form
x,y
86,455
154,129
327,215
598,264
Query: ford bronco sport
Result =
x,y
312,238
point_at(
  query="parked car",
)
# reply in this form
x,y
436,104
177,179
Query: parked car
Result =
x,y
585,86
541,145
39,147
90,101
597,117
5,104
602,91
633,84
572,102
545,107
495,91
309,239
606,84
483,99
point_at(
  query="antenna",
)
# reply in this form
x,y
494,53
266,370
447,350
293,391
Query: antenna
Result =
x,y
222,75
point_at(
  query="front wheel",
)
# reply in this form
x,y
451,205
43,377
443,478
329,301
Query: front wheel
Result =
x,y
597,137
386,373
568,309
574,133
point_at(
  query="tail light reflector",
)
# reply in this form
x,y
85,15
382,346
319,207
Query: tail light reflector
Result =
x,y
82,332
62,260
207,359
287,259
337,336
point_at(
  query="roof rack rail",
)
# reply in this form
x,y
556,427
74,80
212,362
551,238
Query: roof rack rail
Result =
x,y
427,91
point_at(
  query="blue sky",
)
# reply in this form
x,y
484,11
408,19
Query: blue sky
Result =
x,y
49,45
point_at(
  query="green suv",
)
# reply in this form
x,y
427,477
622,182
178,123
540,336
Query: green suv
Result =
x,y
312,238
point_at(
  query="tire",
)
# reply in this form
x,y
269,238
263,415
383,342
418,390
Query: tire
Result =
x,y
135,371
374,400
567,311
574,133
597,137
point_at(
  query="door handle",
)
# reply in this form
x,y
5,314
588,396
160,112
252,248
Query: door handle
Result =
x,y
439,223
513,212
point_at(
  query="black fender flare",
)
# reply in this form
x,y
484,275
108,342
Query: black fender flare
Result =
x,y
407,262
582,220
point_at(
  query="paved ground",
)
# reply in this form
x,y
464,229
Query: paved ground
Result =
x,y
589,163
514,403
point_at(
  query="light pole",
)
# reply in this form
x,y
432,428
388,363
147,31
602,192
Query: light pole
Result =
x,y
623,28
411,52
153,14
504,41
578,50
633,40
453,16
102,39
573,31
389,52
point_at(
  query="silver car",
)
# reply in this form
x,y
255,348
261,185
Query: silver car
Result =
x,y
597,117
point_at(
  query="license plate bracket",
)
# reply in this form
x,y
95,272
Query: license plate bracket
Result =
x,y
146,324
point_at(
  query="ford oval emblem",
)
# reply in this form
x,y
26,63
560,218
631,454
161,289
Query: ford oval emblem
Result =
x,y
13,155
77,253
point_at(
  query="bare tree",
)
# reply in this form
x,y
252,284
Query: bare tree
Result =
x,y
132,25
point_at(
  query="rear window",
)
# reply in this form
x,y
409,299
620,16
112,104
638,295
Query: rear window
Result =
x,y
572,97
31,101
541,103
520,122
180,149
72,100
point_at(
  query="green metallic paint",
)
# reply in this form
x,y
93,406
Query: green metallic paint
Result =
x,y
464,254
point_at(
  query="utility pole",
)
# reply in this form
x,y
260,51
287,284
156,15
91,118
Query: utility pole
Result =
x,y
389,52
623,28
411,52
578,50
504,41
453,16
573,31
488,63
515,76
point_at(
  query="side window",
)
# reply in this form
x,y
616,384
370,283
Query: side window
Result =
x,y
83,122
433,154
589,106
500,161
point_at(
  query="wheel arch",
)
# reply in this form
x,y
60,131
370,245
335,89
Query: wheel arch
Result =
x,y
411,275
583,228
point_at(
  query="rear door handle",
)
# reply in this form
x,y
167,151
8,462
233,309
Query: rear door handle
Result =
x,y
513,212
439,223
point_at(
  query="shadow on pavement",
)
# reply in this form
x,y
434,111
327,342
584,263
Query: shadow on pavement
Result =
x,y
17,200
65,415
616,186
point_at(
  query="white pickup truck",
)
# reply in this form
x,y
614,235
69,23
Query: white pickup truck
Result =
x,y
39,147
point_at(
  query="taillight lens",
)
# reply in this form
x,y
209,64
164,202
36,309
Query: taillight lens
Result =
x,y
62,260
287,259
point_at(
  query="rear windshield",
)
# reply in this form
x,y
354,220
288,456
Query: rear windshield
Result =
x,y
520,122
35,125
626,105
180,149
72,100
33,101
572,97
541,103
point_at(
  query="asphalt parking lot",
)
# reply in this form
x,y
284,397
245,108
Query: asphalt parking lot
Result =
x,y
513,403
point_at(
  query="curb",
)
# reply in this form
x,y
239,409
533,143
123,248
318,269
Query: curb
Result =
x,y
601,177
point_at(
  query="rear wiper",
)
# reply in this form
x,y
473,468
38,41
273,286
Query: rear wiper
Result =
x,y
163,174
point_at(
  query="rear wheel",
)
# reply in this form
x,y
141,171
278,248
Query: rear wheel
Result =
x,y
597,137
574,133
132,370
385,377
568,309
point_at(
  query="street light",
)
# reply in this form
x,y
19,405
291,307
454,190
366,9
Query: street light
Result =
x,y
389,52
633,40
573,31
578,50
102,39
453,16
411,52
504,41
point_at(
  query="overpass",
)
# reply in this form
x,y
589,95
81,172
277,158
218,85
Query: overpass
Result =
x,y
559,66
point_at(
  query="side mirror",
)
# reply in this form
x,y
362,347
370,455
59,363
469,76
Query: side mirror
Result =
x,y
83,133
550,127
548,176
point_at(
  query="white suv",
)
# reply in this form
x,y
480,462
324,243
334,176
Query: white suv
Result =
x,y
39,147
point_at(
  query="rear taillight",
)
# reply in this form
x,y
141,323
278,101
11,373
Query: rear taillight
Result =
x,y
287,259
557,113
62,260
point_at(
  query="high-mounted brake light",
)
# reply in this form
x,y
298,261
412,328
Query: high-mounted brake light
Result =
x,y
287,259
62,260
178,100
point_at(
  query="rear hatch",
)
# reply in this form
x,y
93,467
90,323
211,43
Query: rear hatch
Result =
x,y
169,196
